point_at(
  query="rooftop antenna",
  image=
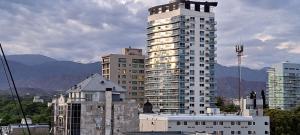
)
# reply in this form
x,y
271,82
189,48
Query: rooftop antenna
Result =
x,y
239,49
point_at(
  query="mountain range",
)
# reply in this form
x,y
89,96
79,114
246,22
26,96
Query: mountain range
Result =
x,y
45,75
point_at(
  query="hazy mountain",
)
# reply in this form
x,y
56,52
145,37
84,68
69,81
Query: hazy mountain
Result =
x,y
49,74
30,59
247,73
227,80
39,72
228,87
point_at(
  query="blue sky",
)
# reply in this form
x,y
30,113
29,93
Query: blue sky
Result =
x,y
83,30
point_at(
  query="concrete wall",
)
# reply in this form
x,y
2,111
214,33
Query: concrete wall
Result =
x,y
125,117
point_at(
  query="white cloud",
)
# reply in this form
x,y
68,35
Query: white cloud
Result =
x,y
291,47
263,37
284,45
83,30
75,24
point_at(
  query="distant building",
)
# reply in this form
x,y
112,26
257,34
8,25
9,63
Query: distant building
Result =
x,y
181,59
28,120
20,129
284,86
94,106
250,122
127,70
37,99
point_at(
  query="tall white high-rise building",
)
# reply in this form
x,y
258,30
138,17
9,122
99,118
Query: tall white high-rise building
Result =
x,y
181,56
284,86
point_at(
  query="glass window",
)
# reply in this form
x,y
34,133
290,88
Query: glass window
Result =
x,y
201,26
137,60
123,60
88,97
201,39
134,82
201,33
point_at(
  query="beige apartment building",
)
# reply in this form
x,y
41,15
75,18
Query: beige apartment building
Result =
x,y
127,70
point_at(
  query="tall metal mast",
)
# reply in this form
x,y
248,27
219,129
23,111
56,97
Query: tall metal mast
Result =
x,y
239,50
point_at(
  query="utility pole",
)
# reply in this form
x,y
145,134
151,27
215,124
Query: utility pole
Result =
x,y
14,87
239,49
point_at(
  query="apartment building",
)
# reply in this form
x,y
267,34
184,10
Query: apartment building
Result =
x,y
284,86
181,56
127,70
95,106
250,122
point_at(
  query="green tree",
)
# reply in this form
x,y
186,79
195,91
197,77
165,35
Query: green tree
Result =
x,y
10,112
284,122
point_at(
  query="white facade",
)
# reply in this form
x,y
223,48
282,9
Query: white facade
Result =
x,y
181,57
251,121
284,86
213,124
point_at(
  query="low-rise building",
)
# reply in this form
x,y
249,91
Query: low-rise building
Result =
x,y
249,121
94,106
21,129
37,99
162,133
